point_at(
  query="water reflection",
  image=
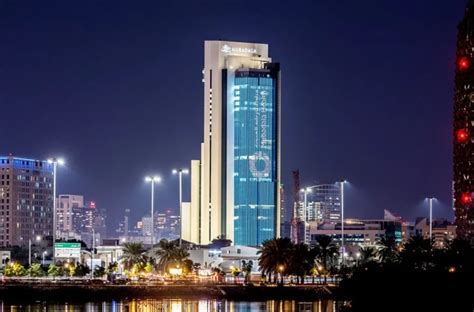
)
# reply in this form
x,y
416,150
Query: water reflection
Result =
x,y
178,305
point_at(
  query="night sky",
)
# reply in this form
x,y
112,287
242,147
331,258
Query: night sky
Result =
x,y
115,88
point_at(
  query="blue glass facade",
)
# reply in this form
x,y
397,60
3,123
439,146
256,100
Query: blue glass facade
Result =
x,y
255,111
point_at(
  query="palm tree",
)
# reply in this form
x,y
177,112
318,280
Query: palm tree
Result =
x,y
168,253
274,257
387,250
132,253
301,261
367,254
417,254
326,251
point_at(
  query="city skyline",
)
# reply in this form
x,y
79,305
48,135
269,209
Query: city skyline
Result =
x,y
99,136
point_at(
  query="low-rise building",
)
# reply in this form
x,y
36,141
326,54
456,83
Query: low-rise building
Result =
x,y
443,231
358,232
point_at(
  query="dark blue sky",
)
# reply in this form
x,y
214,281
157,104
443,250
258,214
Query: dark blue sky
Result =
x,y
115,87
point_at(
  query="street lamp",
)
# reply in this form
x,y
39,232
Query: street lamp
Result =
x,y
180,172
55,162
38,238
430,200
281,268
342,221
153,180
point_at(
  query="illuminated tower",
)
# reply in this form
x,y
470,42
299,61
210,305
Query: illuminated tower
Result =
x,y
239,170
464,127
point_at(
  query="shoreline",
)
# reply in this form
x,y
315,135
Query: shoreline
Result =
x,y
73,293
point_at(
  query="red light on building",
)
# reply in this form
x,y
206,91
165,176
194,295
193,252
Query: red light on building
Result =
x,y
466,198
92,205
463,63
462,136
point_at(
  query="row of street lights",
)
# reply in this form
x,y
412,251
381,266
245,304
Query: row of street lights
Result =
x,y
157,179
307,190
153,179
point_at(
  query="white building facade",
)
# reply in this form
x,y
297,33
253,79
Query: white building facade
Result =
x,y
235,185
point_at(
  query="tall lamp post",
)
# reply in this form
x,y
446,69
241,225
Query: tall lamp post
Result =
x,y
38,238
55,162
180,173
153,180
430,200
342,222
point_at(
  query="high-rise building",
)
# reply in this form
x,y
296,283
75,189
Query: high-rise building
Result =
x,y
323,203
463,179
65,206
238,176
26,200
89,222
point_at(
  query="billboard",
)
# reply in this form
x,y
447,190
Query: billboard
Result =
x,y
67,250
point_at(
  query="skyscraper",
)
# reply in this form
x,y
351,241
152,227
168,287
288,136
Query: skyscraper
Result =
x,y
463,180
26,200
65,213
89,222
239,170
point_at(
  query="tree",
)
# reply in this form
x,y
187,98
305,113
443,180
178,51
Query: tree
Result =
x,y
148,268
132,253
367,254
99,271
387,250
326,253
417,254
81,270
36,270
15,269
461,255
169,253
247,269
187,266
138,268
235,272
54,270
275,256
20,254
301,261
112,267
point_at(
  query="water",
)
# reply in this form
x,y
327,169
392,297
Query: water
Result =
x,y
177,305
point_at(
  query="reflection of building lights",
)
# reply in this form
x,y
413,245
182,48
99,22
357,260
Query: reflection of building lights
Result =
x,y
176,306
